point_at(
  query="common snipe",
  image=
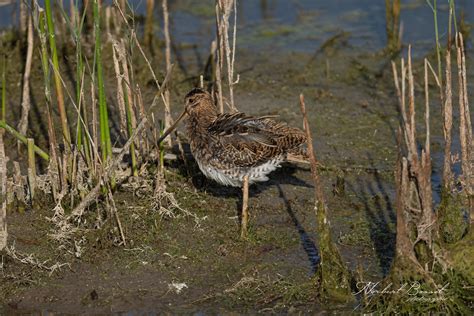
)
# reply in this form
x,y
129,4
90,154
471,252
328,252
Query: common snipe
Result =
x,y
236,149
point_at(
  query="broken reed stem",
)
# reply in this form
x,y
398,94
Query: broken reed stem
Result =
x,y
168,119
465,127
318,190
403,244
415,191
25,99
332,274
110,169
31,168
59,91
3,194
447,124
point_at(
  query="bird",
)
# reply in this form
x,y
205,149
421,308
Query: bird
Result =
x,y
236,149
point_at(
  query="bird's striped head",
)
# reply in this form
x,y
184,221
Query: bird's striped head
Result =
x,y
198,100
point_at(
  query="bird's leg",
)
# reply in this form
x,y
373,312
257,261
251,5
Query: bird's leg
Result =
x,y
245,211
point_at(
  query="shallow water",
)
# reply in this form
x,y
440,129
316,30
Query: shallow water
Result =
x,y
296,25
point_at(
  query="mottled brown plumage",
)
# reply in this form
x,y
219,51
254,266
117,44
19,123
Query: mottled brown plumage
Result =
x,y
229,146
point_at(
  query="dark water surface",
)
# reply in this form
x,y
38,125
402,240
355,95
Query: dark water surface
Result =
x,y
295,25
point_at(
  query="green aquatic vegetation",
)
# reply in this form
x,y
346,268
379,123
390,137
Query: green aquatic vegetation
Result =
x,y
451,214
332,277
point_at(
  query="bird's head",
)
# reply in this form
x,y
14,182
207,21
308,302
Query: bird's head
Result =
x,y
198,104
198,100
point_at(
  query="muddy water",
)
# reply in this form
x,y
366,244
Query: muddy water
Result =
x,y
352,109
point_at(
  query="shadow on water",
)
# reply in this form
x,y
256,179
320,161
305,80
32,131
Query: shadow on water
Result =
x,y
374,195
308,245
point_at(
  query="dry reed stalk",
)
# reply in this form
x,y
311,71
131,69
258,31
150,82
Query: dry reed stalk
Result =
x,y
219,62
116,22
228,50
110,169
64,164
108,13
142,114
95,136
25,100
245,208
31,169
168,119
223,10
211,71
53,168
148,32
3,194
18,181
128,81
120,93
72,12
414,175
403,245
318,190
465,127
116,215
123,5
447,125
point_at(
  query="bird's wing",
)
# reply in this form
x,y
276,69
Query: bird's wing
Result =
x,y
250,141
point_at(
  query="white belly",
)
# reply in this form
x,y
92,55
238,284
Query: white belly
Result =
x,y
234,177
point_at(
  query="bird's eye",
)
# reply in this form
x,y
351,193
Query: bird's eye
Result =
x,y
191,100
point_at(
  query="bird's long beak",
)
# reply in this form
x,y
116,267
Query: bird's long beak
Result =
x,y
172,127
